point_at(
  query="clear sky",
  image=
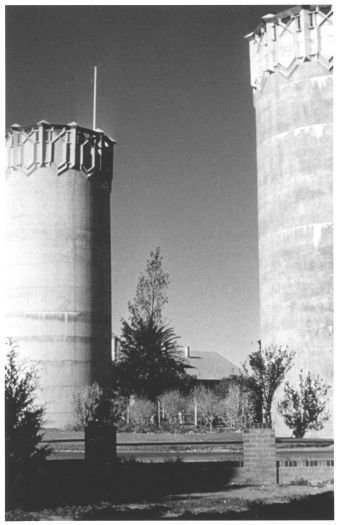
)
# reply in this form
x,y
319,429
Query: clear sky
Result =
x,y
173,90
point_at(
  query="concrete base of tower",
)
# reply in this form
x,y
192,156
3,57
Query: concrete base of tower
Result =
x,y
59,404
62,372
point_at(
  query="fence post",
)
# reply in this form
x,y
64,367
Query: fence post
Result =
x,y
260,463
100,444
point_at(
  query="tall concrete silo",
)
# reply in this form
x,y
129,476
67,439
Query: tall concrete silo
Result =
x,y
58,258
291,57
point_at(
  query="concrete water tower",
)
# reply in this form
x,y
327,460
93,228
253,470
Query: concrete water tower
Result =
x,y
291,75
58,258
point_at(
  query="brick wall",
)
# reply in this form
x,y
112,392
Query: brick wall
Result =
x,y
312,465
265,464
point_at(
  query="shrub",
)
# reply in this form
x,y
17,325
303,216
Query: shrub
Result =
x,y
142,414
119,407
299,482
86,401
304,407
236,407
175,407
209,406
237,401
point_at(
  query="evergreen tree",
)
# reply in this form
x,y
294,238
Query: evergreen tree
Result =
x,y
23,419
151,292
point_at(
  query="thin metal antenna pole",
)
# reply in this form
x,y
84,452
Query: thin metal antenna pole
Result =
x,y
95,98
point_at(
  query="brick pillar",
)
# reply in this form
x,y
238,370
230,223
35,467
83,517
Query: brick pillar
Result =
x,y
260,466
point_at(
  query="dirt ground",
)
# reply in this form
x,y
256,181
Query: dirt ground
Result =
x,y
233,503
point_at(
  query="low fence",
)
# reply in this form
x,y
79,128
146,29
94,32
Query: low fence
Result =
x,y
156,448
259,458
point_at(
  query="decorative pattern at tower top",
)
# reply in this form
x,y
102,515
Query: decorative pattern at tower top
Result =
x,y
285,40
61,147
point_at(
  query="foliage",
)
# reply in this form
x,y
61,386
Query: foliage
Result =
x,y
23,419
119,406
149,361
174,403
304,408
222,389
142,414
232,412
151,292
235,395
299,482
209,406
266,369
244,395
184,383
92,403
86,402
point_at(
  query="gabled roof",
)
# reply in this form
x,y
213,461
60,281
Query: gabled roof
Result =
x,y
209,366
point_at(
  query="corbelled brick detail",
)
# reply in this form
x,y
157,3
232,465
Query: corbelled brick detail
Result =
x,y
260,455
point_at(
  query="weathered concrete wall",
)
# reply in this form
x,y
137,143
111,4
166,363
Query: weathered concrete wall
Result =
x,y
291,69
58,271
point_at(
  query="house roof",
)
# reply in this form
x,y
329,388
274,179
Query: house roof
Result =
x,y
210,366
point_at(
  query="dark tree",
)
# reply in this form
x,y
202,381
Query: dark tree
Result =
x,y
149,362
266,369
23,421
151,292
304,407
